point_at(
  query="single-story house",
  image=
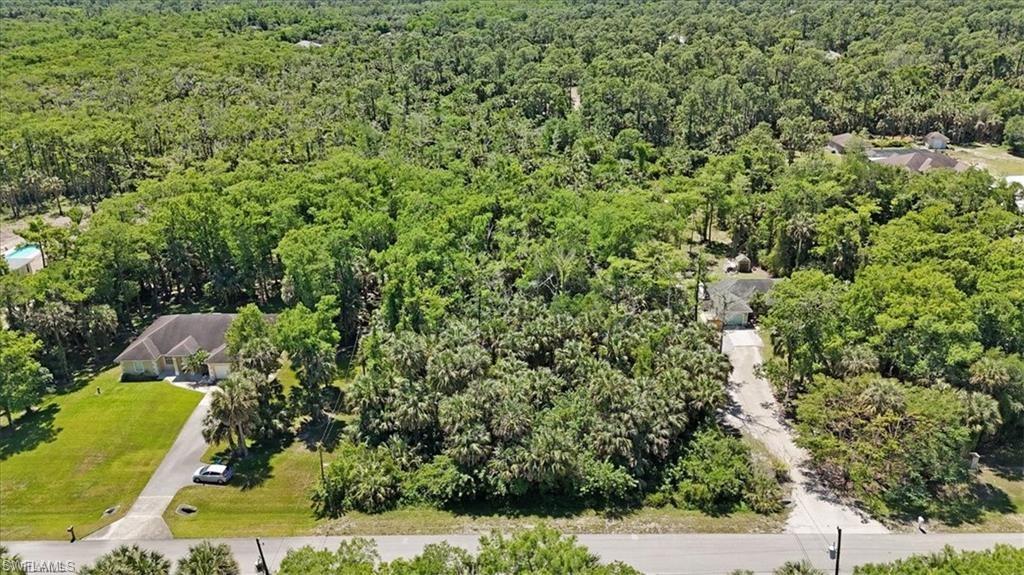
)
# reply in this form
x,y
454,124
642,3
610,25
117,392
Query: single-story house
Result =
x,y
841,143
161,349
729,300
936,141
923,160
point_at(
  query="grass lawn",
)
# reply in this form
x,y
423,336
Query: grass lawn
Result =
x,y
81,453
270,496
996,159
1001,492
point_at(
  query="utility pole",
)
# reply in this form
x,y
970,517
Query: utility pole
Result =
x,y
262,567
839,546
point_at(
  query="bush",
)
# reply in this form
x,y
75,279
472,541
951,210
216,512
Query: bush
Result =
x,y
439,482
133,559
763,493
537,550
208,559
137,377
798,568
361,479
1001,560
717,473
604,482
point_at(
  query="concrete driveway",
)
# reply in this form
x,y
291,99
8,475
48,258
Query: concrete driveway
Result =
x,y
815,508
144,519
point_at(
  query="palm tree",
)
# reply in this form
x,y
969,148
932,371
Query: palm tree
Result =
x,y
208,559
261,355
798,568
196,361
982,414
234,412
134,560
884,395
801,227
10,563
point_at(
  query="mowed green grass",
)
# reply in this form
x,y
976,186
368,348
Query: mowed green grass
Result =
x,y
996,159
270,496
81,453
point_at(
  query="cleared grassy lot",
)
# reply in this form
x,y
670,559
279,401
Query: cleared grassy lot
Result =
x,y
996,159
83,452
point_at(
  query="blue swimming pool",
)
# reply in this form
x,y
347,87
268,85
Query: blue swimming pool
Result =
x,y
25,252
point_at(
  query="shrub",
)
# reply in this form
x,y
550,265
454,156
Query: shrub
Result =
x,y
361,479
763,493
798,568
439,482
712,473
1001,560
1013,135
718,472
10,563
604,482
208,559
133,559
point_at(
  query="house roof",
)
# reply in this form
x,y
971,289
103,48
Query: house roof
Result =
x,y
924,160
934,135
844,140
735,294
182,335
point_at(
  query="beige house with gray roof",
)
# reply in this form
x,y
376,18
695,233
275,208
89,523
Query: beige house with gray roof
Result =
x,y
161,349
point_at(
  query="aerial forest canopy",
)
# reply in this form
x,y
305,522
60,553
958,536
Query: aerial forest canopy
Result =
x,y
497,216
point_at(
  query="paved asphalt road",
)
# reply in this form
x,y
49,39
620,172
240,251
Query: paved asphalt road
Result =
x,y
144,520
680,554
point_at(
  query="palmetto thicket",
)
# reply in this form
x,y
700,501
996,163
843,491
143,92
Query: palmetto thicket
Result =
x,y
593,402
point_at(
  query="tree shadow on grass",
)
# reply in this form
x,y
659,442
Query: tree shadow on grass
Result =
x,y
326,433
29,431
254,469
983,499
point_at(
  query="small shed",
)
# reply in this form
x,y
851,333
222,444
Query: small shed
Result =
x,y
936,141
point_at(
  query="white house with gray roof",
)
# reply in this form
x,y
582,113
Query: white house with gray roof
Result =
x,y
161,349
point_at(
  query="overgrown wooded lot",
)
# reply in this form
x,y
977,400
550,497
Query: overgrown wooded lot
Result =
x,y
511,278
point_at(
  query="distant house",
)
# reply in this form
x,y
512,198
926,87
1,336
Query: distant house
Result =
x,y
921,161
161,349
840,143
308,44
728,300
936,141
21,258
